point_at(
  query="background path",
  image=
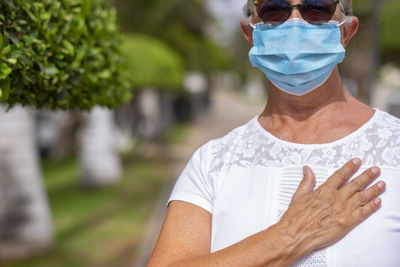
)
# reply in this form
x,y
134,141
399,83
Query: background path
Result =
x,y
228,110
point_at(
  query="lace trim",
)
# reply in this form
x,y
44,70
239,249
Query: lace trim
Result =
x,y
377,143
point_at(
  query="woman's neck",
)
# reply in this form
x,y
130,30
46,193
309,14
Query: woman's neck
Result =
x,y
326,114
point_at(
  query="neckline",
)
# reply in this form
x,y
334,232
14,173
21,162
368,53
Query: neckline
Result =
x,y
333,143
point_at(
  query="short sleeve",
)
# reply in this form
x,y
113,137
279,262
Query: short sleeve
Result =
x,y
194,184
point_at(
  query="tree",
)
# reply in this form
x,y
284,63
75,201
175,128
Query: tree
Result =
x,y
390,32
60,54
25,224
181,24
99,160
152,63
54,54
156,71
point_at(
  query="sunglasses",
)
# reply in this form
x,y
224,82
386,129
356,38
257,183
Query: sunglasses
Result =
x,y
275,12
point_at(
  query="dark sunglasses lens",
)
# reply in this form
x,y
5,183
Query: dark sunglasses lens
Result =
x,y
318,11
273,11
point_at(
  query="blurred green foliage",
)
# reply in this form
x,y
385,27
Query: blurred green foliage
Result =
x,y
391,26
389,23
360,7
151,62
181,24
60,54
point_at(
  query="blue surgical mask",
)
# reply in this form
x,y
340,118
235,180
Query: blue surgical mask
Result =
x,y
297,57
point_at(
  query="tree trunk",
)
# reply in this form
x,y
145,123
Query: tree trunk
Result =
x,y
56,133
99,160
25,223
150,110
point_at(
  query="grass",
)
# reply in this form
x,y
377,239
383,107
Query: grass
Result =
x,y
102,227
178,133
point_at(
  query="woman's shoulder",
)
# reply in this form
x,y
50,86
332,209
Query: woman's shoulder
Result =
x,y
231,138
386,128
386,120
217,152
382,140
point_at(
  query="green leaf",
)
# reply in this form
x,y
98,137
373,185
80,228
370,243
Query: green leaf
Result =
x,y
1,42
105,74
5,50
12,61
69,47
45,16
10,3
13,38
32,17
4,89
50,69
28,61
4,71
86,6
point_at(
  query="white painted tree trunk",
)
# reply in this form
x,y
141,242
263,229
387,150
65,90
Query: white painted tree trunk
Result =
x,y
55,132
150,110
25,223
99,160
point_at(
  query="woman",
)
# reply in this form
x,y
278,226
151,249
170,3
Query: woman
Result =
x,y
246,200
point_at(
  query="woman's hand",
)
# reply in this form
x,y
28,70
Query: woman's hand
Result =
x,y
316,219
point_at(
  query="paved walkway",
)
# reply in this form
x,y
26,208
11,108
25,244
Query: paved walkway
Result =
x,y
229,110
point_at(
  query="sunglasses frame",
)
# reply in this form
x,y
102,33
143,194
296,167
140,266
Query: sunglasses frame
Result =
x,y
293,6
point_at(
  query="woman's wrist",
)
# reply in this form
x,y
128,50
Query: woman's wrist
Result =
x,y
290,243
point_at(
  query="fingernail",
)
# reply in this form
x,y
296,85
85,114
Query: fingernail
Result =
x,y
375,170
381,185
356,161
377,200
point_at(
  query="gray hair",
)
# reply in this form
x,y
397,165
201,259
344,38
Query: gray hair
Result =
x,y
347,6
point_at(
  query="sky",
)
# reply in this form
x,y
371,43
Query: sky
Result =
x,y
228,13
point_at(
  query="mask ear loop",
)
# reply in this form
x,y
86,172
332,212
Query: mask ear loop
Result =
x,y
249,13
248,20
347,19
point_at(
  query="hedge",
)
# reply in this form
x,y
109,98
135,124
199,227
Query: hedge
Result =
x,y
152,63
60,54
390,26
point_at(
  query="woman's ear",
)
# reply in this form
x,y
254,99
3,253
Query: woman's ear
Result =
x,y
247,31
349,30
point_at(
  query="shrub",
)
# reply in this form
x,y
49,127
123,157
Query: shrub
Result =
x,y
60,54
150,62
182,24
390,30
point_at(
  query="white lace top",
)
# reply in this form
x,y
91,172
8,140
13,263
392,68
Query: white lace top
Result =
x,y
247,178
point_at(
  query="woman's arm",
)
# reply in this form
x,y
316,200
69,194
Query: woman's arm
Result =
x,y
314,219
186,234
